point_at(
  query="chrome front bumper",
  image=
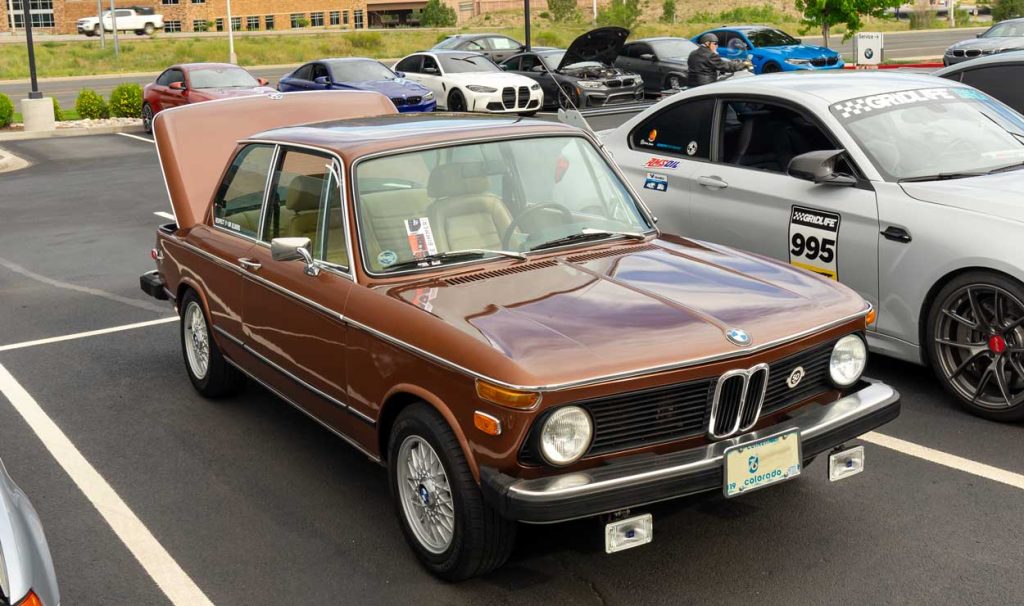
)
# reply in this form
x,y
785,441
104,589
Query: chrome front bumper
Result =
x,y
635,481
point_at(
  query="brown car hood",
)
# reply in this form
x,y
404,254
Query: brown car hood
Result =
x,y
633,307
195,142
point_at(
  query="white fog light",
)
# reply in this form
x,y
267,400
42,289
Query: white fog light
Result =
x,y
849,357
566,435
845,463
631,532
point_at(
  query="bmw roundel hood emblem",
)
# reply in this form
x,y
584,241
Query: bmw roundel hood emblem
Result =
x,y
737,336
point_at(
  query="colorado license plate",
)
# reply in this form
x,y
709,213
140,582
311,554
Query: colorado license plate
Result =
x,y
762,463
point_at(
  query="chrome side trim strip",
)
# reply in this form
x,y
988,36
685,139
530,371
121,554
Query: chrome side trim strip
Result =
x,y
277,393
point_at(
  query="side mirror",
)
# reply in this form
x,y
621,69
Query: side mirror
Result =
x,y
176,86
819,167
400,74
263,81
430,70
322,80
647,57
294,249
537,68
799,40
503,67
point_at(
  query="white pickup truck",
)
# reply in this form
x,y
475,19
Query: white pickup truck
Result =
x,y
137,19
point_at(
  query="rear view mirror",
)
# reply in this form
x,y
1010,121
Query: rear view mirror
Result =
x,y
819,167
647,57
294,249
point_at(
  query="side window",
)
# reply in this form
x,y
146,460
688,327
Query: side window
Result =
x,y
165,78
430,65
502,43
303,73
529,62
296,197
642,49
513,64
410,64
240,196
319,71
764,136
682,129
1002,82
476,45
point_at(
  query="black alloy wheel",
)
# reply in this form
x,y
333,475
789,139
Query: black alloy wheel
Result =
x,y
976,344
456,102
568,100
771,68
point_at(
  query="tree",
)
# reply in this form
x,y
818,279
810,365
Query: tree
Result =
x,y
623,13
668,11
437,14
826,13
1007,9
563,10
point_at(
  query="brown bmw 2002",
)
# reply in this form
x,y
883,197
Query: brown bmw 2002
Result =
x,y
485,307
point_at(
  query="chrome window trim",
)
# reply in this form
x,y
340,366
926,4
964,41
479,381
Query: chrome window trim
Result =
x,y
274,159
598,147
263,203
746,373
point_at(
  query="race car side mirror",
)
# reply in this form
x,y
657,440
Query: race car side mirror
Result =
x,y
820,167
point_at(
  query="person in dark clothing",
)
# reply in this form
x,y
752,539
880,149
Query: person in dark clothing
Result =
x,y
704,64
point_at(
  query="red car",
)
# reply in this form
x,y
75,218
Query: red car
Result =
x,y
195,83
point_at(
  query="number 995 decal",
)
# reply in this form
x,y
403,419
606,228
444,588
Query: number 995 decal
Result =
x,y
814,241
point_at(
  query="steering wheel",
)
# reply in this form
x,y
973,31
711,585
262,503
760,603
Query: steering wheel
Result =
x,y
507,236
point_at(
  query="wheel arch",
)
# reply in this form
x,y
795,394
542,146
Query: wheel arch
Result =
x,y
404,395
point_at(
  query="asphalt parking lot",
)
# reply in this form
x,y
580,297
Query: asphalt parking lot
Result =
x,y
253,503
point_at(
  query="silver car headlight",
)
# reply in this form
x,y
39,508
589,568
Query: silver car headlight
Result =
x,y
590,83
798,61
428,96
849,357
476,88
566,435
535,87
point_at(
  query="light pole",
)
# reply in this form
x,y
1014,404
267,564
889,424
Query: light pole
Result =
x,y
113,25
526,10
27,16
232,57
99,17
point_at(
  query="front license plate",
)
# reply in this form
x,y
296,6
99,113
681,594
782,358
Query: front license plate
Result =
x,y
762,463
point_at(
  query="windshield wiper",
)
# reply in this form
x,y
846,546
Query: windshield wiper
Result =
x,y
1006,169
469,253
941,177
588,234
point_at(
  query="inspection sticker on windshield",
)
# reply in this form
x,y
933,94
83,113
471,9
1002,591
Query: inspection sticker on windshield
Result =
x,y
656,182
421,237
814,241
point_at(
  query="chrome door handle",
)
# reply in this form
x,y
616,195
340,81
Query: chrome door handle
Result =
x,y
249,264
712,182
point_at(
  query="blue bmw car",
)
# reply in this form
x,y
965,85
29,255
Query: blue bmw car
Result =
x,y
772,50
360,74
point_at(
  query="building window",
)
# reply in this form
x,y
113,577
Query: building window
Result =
x,y
168,1
335,18
357,18
219,24
269,20
316,19
344,18
40,10
298,19
172,25
252,23
200,25
236,23
198,1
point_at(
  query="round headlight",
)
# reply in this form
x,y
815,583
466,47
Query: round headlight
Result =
x,y
566,435
849,357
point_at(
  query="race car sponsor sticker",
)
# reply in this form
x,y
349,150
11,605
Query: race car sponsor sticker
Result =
x,y
656,182
421,237
859,106
662,163
814,241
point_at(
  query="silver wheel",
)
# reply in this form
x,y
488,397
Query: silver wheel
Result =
x,y
979,342
197,340
147,118
425,494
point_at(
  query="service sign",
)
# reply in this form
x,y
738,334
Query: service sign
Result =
x,y
814,241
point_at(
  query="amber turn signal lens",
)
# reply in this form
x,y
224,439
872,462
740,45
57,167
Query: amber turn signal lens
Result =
x,y
486,423
513,398
31,600
871,317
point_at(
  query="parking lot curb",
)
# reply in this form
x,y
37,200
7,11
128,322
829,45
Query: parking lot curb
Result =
x,y
71,132
9,162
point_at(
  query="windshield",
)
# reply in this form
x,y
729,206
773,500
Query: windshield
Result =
x,y
359,71
936,132
221,77
770,37
1005,30
500,197
673,49
551,60
455,64
449,42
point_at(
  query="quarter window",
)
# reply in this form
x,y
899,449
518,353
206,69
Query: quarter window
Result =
x,y
683,129
240,196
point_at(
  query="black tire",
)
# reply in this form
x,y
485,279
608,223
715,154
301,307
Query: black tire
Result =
x,y
565,98
147,118
139,32
771,68
675,81
220,378
149,29
456,102
96,31
482,540
980,360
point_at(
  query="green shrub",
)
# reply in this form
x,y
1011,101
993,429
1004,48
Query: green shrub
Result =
x,y
90,105
366,39
1007,9
544,15
58,115
668,11
126,101
438,14
547,38
623,13
6,111
302,22
564,10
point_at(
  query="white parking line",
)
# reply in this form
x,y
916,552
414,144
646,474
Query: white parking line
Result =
x,y
137,137
944,458
90,333
164,215
161,567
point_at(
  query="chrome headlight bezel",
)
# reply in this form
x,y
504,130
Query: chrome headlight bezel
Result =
x,y
566,423
848,360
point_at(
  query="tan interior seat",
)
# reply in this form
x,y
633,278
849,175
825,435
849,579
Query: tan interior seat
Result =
x,y
384,214
303,202
464,213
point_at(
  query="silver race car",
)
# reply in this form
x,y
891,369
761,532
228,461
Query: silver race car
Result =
x,y
26,569
908,188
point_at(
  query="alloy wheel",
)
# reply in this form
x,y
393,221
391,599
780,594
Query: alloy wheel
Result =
x,y
979,343
425,494
147,118
197,340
